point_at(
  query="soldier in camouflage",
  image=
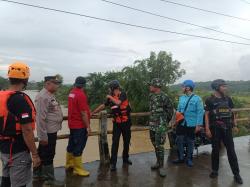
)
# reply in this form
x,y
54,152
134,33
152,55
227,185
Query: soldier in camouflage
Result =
x,y
161,110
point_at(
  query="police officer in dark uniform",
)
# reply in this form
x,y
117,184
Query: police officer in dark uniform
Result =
x,y
118,102
219,123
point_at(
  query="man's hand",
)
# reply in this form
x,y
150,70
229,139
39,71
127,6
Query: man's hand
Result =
x,y
43,142
208,133
197,129
236,130
173,125
36,160
108,96
88,130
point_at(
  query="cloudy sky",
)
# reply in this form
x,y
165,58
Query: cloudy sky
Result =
x,y
52,42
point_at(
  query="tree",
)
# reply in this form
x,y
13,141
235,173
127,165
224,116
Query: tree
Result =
x,y
4,83
135,78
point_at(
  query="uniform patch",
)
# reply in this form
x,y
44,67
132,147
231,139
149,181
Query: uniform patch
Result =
x,y
72,95
25,115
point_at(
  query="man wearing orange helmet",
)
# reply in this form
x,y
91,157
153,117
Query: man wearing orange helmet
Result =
x,y
17,122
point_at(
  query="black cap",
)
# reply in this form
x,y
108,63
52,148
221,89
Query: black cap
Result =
x,y
54,79
80,82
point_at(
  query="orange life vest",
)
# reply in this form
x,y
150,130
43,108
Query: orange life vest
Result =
x,y
121,112
9,124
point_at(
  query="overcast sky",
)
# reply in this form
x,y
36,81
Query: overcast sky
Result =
x,y
52,42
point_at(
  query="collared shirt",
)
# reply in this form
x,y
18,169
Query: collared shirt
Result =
x,y
194,112
49,114
77,102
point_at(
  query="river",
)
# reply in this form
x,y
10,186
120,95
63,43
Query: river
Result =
x,y
140,141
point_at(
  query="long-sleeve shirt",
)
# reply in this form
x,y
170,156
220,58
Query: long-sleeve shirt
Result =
x,y
194,112
49,115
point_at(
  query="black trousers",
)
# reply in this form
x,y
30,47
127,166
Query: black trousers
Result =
x,y
225,135
125,130
47,152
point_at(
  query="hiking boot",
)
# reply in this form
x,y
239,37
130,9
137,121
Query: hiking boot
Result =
x,y
162,172
238,179
213,174
155,166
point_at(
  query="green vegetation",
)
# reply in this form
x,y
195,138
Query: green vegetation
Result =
x,y
3,83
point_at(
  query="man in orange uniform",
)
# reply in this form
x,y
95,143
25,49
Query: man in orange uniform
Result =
x,y
17,122
118,102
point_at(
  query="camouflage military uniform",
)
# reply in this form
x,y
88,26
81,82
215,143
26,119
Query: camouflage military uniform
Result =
x,y
161,113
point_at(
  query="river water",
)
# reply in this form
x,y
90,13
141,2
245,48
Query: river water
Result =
x,y
140,141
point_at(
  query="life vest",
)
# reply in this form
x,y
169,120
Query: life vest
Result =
x,y
222,110
9,124
121,112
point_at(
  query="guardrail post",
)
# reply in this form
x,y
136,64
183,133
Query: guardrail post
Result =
x,y
103,140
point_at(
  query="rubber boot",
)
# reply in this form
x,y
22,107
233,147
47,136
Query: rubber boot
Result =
x,y
78,168
69,161
6,182
162,171
156,165
238,179
49,177
37,173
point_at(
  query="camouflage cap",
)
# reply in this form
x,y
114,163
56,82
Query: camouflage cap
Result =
x,y
156,82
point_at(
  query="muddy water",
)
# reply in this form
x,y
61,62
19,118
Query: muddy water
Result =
x,y
140,141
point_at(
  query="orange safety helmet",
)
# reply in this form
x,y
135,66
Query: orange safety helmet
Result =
x,y
19,70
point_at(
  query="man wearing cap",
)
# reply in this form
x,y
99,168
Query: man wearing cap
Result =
x,y
220,120
79,125
161,110
49,120
118,102
191,106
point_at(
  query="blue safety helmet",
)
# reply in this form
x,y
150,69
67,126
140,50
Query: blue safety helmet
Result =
x,y
188,83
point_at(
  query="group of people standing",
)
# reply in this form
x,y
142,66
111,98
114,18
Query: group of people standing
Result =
x,y
19,116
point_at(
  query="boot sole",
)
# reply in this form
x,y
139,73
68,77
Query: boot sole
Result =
x,y
74,173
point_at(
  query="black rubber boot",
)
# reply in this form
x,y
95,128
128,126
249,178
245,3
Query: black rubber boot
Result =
x,y
162,171
127,161
37,173
6,182
112,167
213,174
155,166
49,177
238,179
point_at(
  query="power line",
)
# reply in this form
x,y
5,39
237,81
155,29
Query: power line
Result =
x,y
173,19
123,23
204,10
